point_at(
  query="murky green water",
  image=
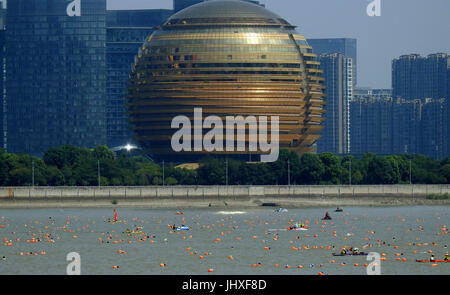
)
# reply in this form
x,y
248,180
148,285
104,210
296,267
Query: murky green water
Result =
x,y
397,232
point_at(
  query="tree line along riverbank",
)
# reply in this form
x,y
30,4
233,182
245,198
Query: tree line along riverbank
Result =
x,y
73,166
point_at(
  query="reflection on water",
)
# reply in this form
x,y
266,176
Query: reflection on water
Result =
x,y
36,241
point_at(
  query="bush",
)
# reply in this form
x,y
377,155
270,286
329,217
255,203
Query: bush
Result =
x,y
445,196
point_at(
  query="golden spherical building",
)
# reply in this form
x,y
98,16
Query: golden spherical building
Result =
x,y
230,58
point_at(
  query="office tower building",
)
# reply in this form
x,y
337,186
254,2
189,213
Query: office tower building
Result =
x,y
338,75
126,32
56,75
345,46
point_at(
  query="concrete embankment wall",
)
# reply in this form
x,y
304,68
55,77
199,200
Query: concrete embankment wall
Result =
x,y
204,196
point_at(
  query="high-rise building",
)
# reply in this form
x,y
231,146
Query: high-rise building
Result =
x,y
406,126
447,110
265,68
3,113
384,126
345,46
126,32
182,4
417,77
371,125
427,79
56,75
434,137
338,75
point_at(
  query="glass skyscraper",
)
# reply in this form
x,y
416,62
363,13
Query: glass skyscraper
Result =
x,y
427,78
338,75
417,77
345,46
126,32
3,125
182,4
56,81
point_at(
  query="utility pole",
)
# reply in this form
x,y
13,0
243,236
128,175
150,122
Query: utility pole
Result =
x,y
32,173
289,173
98,171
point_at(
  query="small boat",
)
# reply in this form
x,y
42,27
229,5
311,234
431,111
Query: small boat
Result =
x,y
435,261
327,217
279,210
179,213
298,228
351,254
287,229
183,228
269,205
338,210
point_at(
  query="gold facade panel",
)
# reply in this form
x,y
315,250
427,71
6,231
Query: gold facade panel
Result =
x,y
254,69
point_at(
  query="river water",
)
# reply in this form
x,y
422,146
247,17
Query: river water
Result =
x,y
223,241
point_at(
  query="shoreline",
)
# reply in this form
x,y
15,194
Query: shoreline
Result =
x,y
179,197
251,203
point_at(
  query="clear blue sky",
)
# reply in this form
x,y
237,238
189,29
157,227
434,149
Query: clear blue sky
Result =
x,y
404,27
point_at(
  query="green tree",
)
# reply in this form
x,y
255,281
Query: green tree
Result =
x,y
311,169
332,168
383,170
